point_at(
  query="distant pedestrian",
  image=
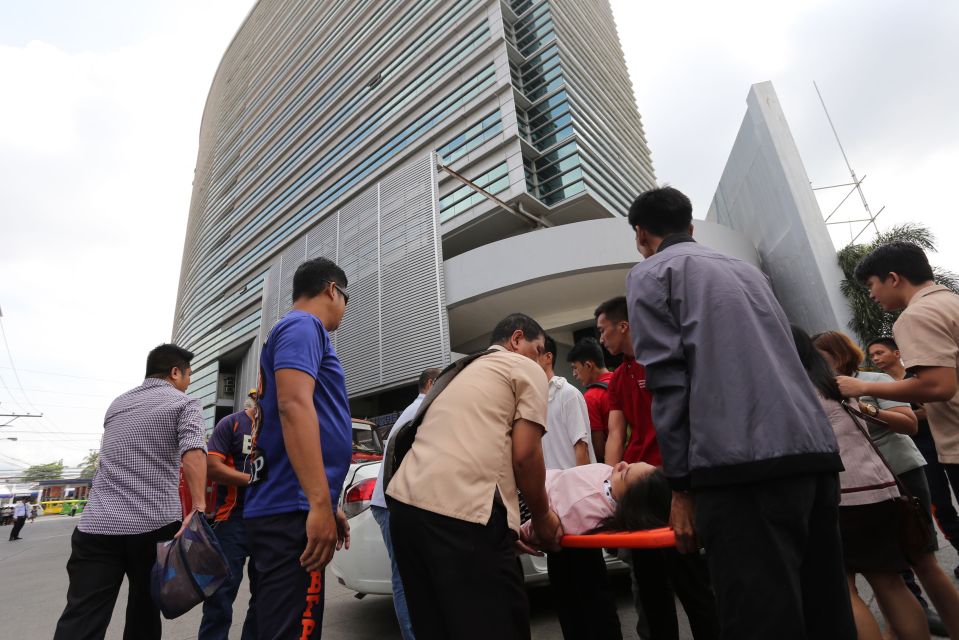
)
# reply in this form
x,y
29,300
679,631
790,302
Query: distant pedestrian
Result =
x,y
19,517
589,368
747,449
148,433
302,451
228,464
382,515
454,509
583,598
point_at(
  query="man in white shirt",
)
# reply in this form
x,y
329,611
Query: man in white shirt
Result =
x,y
19,517
382,516
577,577
566,442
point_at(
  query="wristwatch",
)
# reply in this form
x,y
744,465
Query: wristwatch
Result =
x,y
870,410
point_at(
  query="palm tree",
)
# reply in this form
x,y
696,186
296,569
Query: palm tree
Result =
x,y
89,464
868,319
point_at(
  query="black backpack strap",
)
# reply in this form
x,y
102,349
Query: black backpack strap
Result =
x,y
598,385
402,440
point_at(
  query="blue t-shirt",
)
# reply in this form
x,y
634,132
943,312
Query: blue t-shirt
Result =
x,y
299,341
231,443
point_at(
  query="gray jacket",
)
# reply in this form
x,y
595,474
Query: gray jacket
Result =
x,y
731,400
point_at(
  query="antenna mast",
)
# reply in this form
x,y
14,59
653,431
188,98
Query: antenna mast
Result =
x,y
856,184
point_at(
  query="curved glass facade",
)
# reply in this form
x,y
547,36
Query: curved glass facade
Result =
x,y
313,102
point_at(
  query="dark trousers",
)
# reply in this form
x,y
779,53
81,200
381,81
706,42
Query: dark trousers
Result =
x,y
582,595
289,599
218,608
462,580
775,558
96,568
17,526
943,510
660,573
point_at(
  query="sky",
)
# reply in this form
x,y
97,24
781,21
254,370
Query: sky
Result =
x,y
101,113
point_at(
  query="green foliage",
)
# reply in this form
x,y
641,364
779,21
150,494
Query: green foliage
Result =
x,y
868,319
89,464
49,471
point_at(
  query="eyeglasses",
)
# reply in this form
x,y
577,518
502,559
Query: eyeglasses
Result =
x,y
346,296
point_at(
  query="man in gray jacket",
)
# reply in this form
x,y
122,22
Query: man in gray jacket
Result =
x,y
746,446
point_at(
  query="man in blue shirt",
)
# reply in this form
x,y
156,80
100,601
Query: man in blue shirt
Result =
x,y
228,464
302,450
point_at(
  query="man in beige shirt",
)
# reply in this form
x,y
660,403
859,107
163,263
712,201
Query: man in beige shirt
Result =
x,y
454,511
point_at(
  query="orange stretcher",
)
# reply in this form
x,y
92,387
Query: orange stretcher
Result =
x,y
650,539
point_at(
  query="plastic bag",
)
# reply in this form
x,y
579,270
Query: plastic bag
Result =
x,y
188,569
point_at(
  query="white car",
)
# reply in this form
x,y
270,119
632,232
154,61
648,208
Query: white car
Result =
x,y
365,567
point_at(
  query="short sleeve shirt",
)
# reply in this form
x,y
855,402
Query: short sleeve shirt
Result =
x,y
597,403
299,341
899,450
463,451
567,421
231,442
627,393
927,333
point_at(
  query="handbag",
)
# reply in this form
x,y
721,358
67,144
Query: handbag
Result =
x,y
912,519
401,441
188,569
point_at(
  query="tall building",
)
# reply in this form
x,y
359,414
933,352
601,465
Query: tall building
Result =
x,y
461,159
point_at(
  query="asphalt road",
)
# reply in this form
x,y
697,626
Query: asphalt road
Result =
x,y
33,586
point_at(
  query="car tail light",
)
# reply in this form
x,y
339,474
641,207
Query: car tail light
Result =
x,y
358,496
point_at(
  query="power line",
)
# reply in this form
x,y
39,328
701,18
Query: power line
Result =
x,y
68,375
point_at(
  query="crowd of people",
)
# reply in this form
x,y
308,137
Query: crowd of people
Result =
x,y
783,469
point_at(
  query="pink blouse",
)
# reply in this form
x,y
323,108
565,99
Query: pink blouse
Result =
x,y
579,498
866,479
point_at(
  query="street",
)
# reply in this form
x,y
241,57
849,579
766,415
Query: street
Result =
x,y
34,585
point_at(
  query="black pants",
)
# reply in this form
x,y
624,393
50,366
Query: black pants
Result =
x,y
289,599
462,580
17,526
582,595
775,558
660,573
943,510
96,568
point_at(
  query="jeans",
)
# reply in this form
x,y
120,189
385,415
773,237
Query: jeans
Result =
x,y
382,517
218,608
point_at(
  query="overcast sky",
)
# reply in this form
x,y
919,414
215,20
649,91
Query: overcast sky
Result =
x,y
102,106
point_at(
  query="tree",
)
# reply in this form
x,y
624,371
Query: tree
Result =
x,y
89,464
868,319
49,471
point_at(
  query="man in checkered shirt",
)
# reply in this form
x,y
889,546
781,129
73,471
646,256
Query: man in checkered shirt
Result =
x,y
148,432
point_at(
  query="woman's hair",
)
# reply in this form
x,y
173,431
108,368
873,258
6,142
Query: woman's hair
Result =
x,y
644,505
843,350
822,377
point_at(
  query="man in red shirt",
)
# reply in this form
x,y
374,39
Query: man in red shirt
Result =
x,y
589,368
658,573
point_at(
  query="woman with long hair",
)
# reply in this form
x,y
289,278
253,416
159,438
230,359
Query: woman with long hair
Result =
x,y
905,460
867,519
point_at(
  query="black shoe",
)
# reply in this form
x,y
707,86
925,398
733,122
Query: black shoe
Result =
x,y
936,627
956,572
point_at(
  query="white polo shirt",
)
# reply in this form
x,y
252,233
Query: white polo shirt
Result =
x,y
567,422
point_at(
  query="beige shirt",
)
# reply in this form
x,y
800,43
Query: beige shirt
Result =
x,y
463,451
927,333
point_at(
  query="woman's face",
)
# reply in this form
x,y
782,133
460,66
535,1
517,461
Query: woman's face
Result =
x,y
626,475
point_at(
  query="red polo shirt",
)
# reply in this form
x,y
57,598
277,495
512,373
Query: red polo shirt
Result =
x,y
597,404
627,393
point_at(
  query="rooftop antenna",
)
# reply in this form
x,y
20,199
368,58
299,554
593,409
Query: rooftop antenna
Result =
x,y
856,185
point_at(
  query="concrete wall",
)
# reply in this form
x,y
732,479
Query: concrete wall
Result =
x,y
764,193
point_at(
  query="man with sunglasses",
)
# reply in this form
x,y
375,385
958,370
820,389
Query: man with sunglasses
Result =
x,y
302,450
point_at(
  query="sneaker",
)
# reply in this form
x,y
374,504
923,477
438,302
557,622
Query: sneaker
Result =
x,y
936,627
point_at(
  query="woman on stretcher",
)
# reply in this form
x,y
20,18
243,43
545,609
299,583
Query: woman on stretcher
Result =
x,y
597,497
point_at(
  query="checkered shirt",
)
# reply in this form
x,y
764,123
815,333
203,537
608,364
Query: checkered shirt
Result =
x,y
146,431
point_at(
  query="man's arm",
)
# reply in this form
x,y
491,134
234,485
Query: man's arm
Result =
x,y
929,384
900,419
220,472
616,440
301,437
191,440
578,416
530,473
599,445
581,451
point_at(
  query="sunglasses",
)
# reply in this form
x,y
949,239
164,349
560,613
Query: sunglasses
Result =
x,y
346,296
